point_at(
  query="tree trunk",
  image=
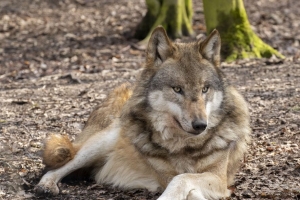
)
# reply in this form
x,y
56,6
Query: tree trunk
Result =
x,y
239,41
174,15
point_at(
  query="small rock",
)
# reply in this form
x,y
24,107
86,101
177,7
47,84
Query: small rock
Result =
x,y
248,194
74,59
270,163
276,18
294,127
35,144
65,191
44,66
70,36
270,148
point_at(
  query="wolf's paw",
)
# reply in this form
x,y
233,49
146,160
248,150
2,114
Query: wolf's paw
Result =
x,y
47,188
193,195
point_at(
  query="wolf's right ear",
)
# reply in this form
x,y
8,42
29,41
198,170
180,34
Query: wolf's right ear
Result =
x,y
159,47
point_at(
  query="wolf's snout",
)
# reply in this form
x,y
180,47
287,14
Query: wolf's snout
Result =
x,y
199,125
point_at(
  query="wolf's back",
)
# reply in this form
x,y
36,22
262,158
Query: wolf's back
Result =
x,y
59,149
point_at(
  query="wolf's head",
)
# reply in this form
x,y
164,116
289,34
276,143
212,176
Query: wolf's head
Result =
x,y
185,85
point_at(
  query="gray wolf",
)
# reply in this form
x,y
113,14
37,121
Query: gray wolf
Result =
x,y
182,128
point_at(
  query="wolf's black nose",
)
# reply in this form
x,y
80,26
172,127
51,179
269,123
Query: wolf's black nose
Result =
x,y
199,125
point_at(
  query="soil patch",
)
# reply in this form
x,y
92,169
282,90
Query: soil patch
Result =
x,y
59,59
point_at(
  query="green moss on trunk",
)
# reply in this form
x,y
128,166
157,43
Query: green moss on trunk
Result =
x,y
174,15
238,39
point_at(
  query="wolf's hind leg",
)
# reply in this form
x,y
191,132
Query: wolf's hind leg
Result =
x,y
94,148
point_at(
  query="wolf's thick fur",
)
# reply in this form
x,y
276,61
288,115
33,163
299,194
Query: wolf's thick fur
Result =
x,y
182,128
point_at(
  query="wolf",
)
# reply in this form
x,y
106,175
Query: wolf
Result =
x,y
181,128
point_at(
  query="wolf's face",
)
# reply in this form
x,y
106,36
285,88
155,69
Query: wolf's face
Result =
x,y
186,88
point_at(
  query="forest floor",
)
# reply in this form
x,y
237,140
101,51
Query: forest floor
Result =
x,y
60,58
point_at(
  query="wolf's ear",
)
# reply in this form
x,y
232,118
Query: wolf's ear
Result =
x,y
159,47
210,47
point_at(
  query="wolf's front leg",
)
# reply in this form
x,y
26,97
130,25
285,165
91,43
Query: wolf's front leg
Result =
x,y
94,148
195,187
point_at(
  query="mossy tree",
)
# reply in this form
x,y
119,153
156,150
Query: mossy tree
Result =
x,y
239,41
174,15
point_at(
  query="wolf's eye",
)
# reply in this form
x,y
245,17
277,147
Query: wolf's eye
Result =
x,y
177,90
205,89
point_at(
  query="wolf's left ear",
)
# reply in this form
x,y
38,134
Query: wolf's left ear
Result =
x,y
159,47
210,47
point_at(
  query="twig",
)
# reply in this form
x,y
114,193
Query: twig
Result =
x,y
27,183
24,159
28,131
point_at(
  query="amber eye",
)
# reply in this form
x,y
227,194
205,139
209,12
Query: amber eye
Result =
x,y
205,89
177,90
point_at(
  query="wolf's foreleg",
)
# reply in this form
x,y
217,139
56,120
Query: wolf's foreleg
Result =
x,y
97,146
195,186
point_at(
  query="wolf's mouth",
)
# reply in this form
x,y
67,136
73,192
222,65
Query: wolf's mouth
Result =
x,y
179,125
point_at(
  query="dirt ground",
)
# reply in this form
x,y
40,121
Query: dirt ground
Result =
x,y
60,58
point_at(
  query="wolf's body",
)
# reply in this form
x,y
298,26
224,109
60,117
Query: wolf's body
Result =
x,y
181,128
